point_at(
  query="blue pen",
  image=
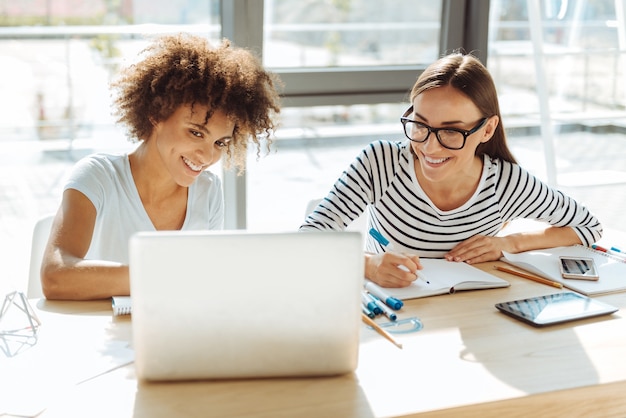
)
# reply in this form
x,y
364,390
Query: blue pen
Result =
x,y
369,303
367,312
385,243
613,251
617,252
380,239
381,294
388,312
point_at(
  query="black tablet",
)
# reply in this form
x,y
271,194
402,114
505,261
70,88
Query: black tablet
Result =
x,y
555,308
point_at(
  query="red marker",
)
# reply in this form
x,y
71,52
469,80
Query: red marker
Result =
x,y
597,247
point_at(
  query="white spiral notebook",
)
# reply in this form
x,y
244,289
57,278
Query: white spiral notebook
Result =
x,y
545,263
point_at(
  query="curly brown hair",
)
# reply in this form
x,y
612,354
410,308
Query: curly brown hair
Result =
x,y
185,69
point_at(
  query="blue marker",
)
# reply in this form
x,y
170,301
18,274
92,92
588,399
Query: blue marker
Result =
x,y
369,303
380,239
385,243
367,312
388,312
381,294
617,252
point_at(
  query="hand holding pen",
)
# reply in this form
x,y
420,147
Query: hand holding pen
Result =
x,y
391,269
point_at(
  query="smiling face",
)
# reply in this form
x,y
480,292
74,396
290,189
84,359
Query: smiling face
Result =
x,y
188,144
446,107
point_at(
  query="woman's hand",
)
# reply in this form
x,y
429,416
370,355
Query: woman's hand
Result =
x,y
392,269
478,249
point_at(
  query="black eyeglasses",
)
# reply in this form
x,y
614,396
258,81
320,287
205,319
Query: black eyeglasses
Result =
x,y
450,138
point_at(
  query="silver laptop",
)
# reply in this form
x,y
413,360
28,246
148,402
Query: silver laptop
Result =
x,y
214,305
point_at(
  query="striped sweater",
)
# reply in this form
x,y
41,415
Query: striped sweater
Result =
x,y
382,181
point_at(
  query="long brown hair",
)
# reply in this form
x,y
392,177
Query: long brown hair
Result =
x,y
468,75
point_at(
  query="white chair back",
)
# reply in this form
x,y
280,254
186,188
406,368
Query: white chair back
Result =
x,y
41,232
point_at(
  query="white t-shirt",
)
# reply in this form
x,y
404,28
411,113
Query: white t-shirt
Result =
x,y
106,180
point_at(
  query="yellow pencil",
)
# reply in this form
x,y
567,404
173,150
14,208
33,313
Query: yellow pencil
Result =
x,y
378,329
530,276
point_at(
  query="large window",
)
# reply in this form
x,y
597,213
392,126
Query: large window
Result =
x,y
304,34
560,69
59,56
578,45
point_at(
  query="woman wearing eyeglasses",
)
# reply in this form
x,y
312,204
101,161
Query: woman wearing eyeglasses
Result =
x,y
448,190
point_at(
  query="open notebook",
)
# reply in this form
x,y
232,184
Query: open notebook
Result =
x,y
440,276
545,263
233,304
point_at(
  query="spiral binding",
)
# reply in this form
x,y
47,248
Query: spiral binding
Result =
x,y
604,253
121,305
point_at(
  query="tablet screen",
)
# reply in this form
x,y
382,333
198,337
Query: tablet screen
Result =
x,y
555,308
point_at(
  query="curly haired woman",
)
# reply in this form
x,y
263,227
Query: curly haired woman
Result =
x,y
187,105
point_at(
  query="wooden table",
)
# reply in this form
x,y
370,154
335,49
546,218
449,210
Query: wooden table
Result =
x,y
468,360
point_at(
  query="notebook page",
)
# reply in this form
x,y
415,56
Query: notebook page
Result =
x,y
440,276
